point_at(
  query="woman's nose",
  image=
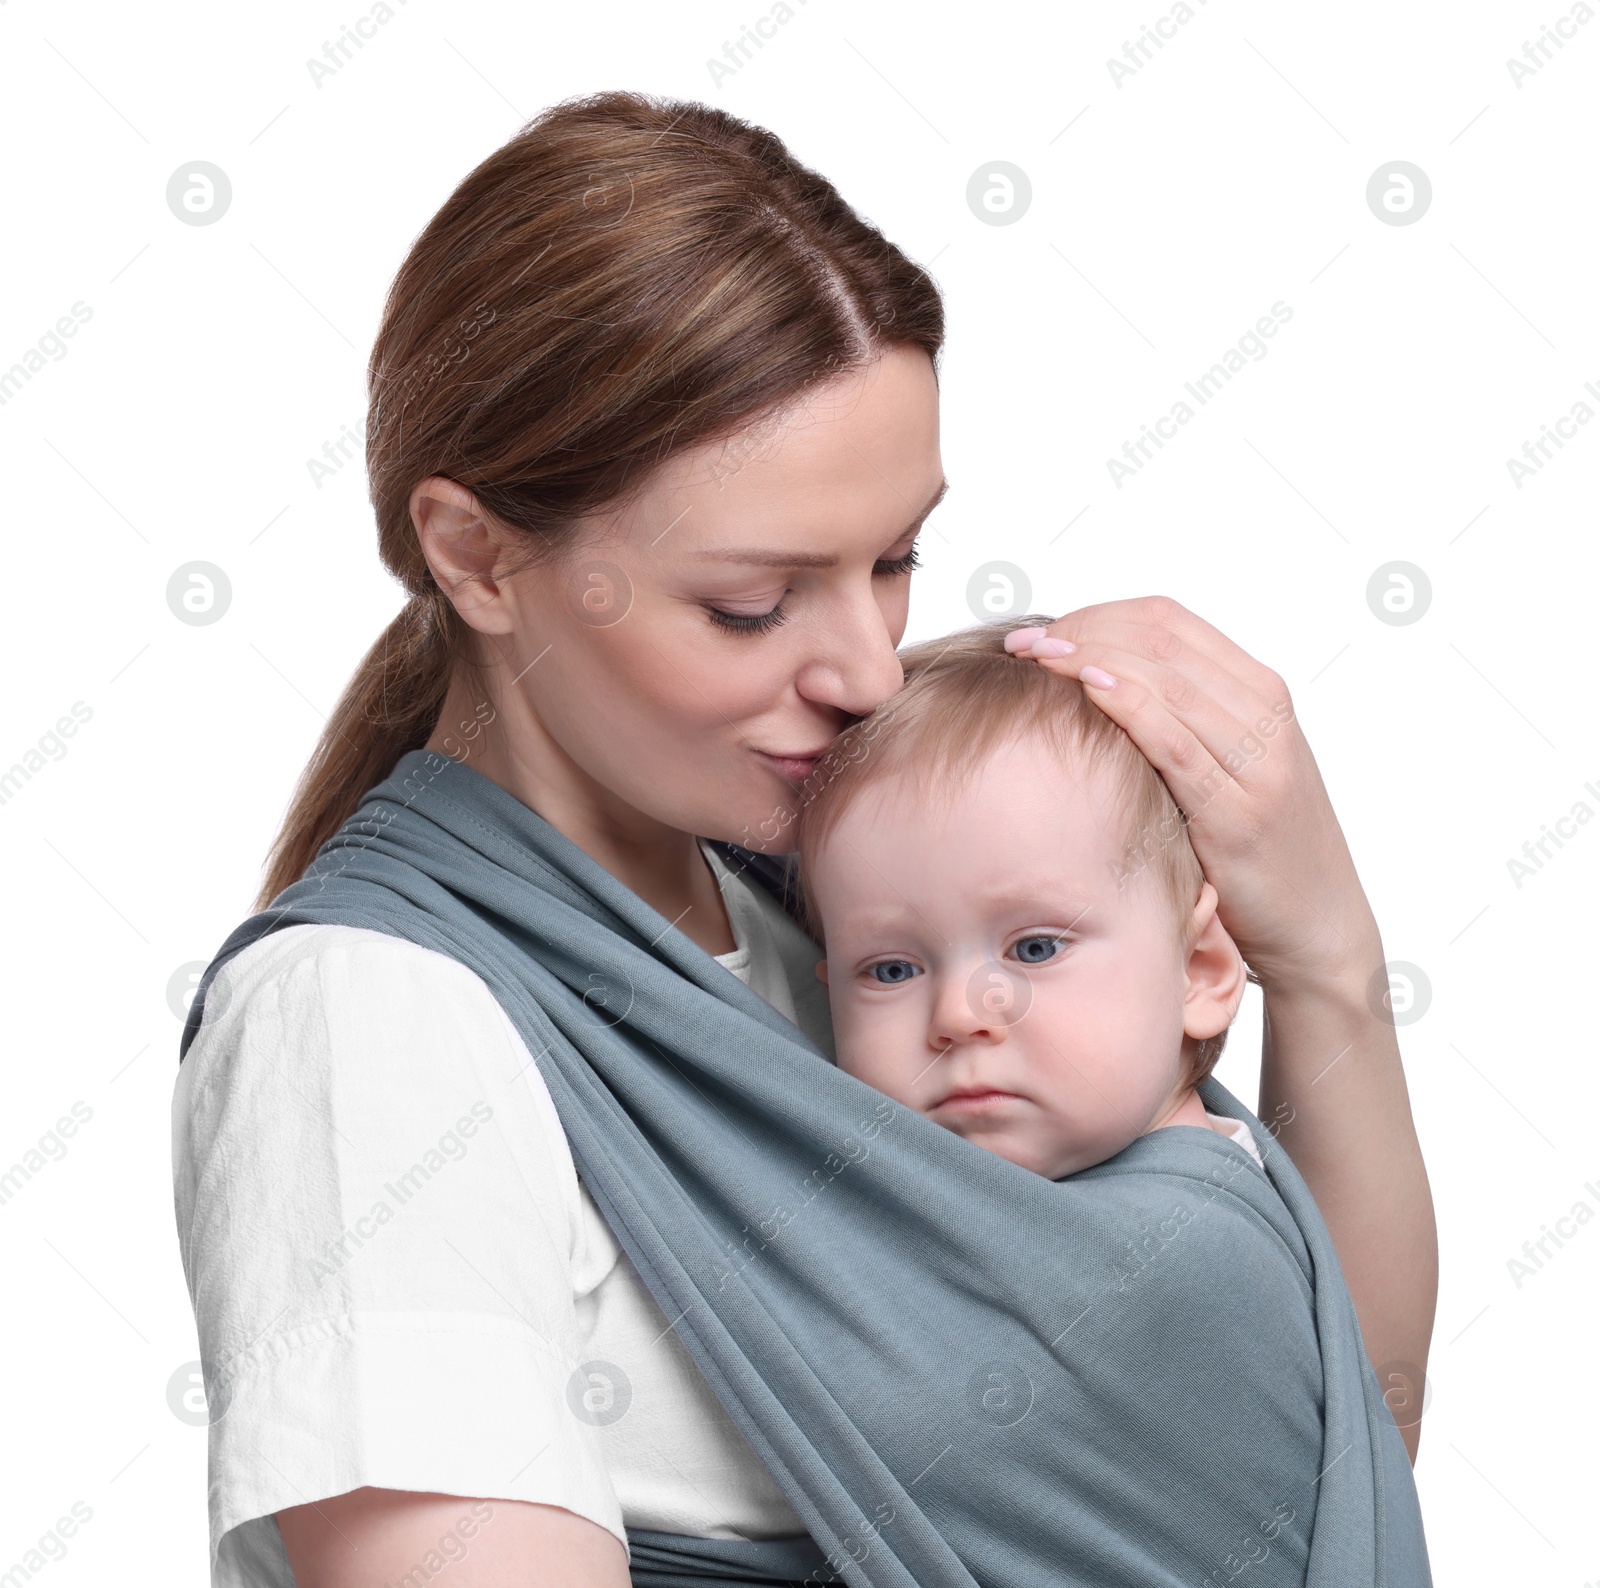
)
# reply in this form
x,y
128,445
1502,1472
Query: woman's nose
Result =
x,y
855,668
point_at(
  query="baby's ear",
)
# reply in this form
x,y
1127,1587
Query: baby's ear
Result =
x,y
1214,972
822,971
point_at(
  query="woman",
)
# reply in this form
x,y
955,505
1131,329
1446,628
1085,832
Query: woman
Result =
x,y
653,430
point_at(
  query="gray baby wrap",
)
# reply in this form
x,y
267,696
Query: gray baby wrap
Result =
x,y
1147,1375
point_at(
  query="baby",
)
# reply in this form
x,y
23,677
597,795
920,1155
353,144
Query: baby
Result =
x,y
1020,942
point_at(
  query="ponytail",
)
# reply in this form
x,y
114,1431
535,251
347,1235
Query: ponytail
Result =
x,y
390,706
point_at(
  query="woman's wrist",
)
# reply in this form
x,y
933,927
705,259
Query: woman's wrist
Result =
x,y
1337,984
1339,969
1328,1034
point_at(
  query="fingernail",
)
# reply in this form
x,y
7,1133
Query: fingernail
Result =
x,y
1021,639
1098,677
1052,647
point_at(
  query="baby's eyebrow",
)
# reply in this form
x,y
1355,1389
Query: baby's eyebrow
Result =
x,y
1046,903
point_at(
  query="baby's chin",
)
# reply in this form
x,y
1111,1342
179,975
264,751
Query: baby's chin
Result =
x,y
1052,1156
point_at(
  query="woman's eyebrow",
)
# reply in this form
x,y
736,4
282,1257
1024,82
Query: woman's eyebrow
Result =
x,y
768,558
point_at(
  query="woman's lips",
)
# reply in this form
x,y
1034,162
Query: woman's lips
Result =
x,y
794,768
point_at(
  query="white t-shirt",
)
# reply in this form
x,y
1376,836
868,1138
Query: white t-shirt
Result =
x,y
399,1279
1235,1130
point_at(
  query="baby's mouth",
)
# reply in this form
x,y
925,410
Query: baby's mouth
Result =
x,y
974,1100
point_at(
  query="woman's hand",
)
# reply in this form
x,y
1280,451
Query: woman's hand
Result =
x,y
1220,729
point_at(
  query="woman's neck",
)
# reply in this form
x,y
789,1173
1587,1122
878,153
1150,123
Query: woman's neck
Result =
x,y
661,864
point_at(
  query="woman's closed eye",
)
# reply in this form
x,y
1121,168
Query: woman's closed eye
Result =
x,y
765,622
889,566
747,622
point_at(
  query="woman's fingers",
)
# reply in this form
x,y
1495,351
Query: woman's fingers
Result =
x,y
1188,714
1199,754
1021,639
1160,627
1164,660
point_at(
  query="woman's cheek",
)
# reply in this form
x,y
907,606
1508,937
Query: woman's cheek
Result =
x,y
691,714
718,699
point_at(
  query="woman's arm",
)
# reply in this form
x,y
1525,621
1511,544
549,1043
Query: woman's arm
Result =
x,y
1221,730
373,1536
367,1195
1331,1074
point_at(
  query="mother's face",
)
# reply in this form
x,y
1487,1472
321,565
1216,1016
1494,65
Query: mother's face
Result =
x,y
700,647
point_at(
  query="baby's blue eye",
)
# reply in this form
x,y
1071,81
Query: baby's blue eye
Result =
x,y
1036,950
892,971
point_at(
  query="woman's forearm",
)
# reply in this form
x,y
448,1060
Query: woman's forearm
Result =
x,y
1334,1092
367,1536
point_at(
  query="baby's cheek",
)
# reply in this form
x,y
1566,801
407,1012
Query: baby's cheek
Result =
x,y
869,1044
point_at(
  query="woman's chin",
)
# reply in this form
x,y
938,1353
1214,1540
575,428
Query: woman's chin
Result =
x,y
764,842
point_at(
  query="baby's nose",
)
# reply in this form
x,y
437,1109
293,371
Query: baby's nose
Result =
x,y
979,1006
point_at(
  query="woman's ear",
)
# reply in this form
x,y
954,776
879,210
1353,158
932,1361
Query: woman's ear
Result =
x,y
463,548
1214,971
822,971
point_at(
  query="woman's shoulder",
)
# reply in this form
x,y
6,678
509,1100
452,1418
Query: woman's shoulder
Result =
x,y
311,987
344,961
321,1034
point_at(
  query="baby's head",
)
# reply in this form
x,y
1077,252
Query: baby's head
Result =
x,y
1007,899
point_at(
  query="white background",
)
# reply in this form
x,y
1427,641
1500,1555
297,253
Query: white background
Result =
x,y
1168,214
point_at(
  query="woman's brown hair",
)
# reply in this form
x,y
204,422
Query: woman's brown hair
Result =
x,y
629,276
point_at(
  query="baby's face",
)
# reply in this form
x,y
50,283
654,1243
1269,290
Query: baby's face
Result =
x,y
991,950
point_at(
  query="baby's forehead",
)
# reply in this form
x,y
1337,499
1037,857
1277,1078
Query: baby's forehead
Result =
x,y
930,785
1018,806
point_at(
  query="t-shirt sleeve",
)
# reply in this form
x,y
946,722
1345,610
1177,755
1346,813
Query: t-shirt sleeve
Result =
x,y
376,1210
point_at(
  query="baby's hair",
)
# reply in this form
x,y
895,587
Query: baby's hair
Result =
x,y
965,696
